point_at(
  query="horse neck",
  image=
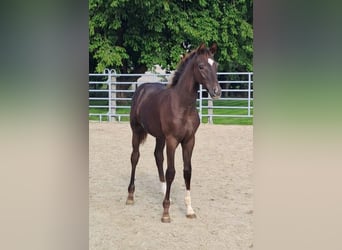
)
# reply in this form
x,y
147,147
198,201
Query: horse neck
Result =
x,y
186,86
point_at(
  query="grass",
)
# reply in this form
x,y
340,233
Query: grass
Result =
x,y
229,111
217,111
95,110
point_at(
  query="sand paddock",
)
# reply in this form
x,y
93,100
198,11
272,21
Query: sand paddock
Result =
x,y
221,192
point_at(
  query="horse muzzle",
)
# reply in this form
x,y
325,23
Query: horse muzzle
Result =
x,y
215,93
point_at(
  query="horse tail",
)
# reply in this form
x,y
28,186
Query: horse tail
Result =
x,y
142,137
138,130
139,133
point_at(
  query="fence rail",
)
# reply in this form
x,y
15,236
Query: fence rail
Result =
x,y
110,95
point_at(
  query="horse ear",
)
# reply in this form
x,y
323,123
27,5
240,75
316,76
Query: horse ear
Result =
x,y
213,48
201,47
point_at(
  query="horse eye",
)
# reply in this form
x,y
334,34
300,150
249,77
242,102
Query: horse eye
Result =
x,y
201,66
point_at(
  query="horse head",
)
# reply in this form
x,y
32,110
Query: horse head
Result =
x,y
205,70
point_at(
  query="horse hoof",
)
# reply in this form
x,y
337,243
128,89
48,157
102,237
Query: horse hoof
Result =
x,y
129,202
191,216
166,219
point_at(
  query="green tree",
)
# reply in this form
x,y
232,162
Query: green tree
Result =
x,y
133,35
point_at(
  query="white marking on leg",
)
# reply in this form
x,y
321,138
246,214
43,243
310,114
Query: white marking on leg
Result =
x,y
210,61
163,187
187,199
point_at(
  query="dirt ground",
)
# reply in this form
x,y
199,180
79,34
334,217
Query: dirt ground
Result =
x,y
221,192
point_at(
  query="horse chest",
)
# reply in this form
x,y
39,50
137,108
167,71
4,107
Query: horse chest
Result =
x,y
186,123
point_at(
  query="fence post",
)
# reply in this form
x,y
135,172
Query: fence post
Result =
x,y
200,102
249,94
112,93
108,73
210,111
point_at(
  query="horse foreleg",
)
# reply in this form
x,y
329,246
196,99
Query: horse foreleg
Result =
x,y
187,148
170,175
190,213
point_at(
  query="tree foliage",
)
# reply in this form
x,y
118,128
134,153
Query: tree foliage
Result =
x,y
134,35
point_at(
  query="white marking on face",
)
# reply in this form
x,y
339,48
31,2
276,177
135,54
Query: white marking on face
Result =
x,y
210,61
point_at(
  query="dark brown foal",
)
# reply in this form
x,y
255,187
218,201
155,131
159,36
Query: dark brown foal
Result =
x,y
170,115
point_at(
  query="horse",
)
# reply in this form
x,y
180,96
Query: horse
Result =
x,y
169,114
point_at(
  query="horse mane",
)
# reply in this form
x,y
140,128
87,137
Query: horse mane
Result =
x,y
183,63
181,66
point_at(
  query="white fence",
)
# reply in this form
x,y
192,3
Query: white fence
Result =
x,y
110,95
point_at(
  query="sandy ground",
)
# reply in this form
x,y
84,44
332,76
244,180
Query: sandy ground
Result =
x,y
221,192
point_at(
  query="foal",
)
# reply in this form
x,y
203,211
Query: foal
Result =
x,y
170,115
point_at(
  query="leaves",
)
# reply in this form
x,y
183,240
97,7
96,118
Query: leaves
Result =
x,y
130,33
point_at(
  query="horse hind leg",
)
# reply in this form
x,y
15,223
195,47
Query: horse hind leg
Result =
x,y
159,157
139,135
